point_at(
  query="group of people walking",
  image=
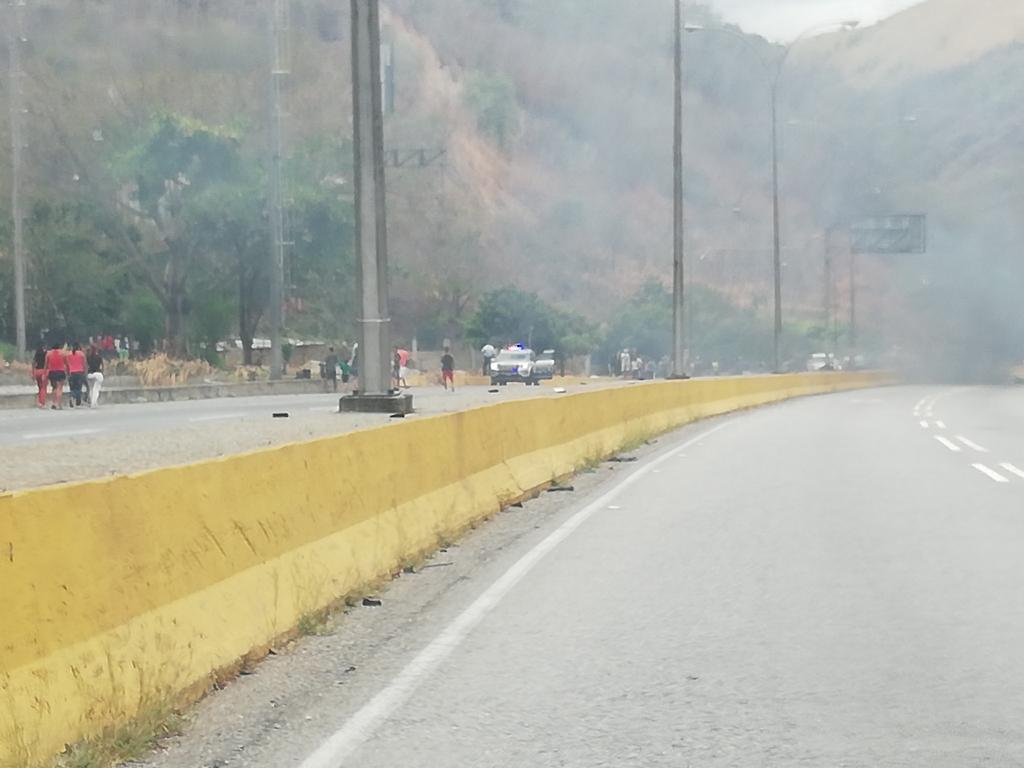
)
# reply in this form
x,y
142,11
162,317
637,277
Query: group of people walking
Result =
x,y
80,371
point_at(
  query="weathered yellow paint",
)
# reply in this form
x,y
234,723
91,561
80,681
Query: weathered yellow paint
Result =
x,y
124,592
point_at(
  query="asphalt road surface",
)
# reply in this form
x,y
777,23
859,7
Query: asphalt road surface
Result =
x,y
835,581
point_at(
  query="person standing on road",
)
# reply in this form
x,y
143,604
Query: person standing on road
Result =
x,y
447,370
56,374
401,368
624,367
94,378
39,374
76,374
331,369
488,352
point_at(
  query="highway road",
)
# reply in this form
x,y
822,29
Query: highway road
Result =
x,y
835,581
31,425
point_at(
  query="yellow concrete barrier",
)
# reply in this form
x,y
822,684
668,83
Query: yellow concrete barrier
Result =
x,y
124,592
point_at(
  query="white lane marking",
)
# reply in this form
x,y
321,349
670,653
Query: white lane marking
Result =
x,y
1013,470
991,473
64,433
361,726
971,444
940,424
216,417
948,443
920,404
924,424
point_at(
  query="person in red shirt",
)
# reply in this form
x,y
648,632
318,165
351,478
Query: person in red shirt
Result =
x,y
76,374
39,374
57,374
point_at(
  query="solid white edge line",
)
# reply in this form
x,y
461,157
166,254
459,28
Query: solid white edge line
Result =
x,y
991,473
360,727
971,444
948,443
64,433
1012,469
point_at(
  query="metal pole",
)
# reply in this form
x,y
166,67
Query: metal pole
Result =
x,y
776,247
15,103
853,303
370,225
678,253
279,31
829,326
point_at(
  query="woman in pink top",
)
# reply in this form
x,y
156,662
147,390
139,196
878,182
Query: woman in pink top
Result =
x,y
57,374
76,374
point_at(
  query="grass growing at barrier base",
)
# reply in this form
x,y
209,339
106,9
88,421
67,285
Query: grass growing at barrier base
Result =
x,y
127,742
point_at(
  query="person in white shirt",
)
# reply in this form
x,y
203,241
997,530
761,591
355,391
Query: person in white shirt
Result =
x,y
488,352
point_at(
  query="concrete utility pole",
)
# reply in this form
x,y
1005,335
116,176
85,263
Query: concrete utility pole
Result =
x,y
16,98
678,253
374,358
280,30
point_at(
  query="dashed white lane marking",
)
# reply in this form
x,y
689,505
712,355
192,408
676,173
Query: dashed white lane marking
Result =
x,y
990,473
339,747
940,424
971,444
948,443
1013,470
924,424
216,417
64,433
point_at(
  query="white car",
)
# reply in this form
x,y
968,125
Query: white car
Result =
x,y
520,364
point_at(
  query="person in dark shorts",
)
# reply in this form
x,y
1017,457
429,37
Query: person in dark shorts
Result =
x,y
447,369
56,374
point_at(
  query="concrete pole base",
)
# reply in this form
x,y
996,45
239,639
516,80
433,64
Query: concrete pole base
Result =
x,y
357,403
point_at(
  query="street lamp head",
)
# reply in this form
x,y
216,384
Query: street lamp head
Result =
x,y
693,27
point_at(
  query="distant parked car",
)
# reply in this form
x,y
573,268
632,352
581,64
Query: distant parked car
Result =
x,y
822,361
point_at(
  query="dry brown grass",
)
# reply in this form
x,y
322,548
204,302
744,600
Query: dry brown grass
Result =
x,y
163,371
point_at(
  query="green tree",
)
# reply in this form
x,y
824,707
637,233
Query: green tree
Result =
x,y
512,315
492,98
77,273
174,162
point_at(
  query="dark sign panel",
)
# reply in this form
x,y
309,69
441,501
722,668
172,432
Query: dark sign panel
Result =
x,y
890,234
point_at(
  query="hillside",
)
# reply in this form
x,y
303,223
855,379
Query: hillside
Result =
x,y
555,121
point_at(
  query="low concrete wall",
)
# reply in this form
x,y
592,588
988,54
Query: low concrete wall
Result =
x,y
123,592
184,392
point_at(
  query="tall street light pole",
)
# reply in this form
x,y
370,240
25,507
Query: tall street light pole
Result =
x,y
280,29
374,356
16,113
678,253
776,228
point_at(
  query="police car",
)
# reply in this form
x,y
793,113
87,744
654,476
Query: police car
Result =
x,y
518,363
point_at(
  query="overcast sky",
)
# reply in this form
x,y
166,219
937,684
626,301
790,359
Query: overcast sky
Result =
x,y
784,19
